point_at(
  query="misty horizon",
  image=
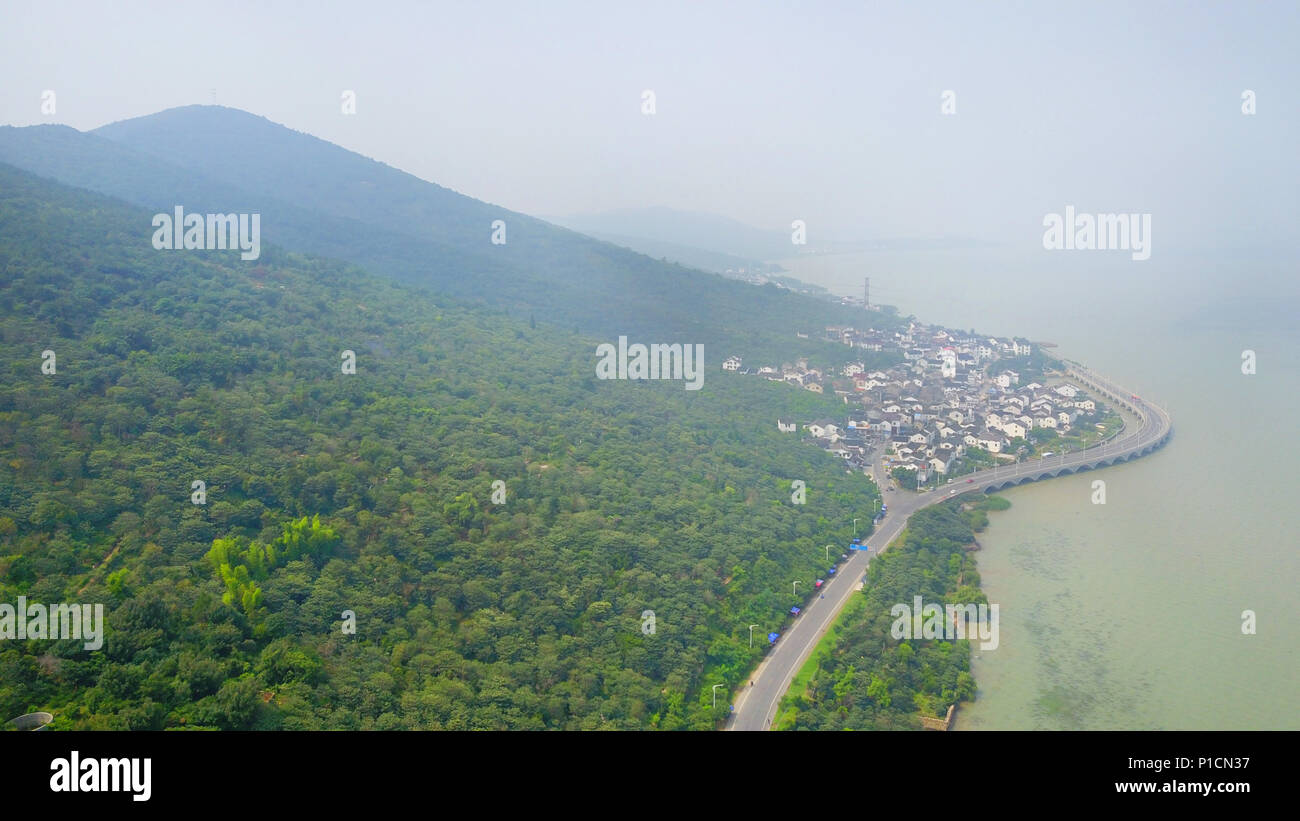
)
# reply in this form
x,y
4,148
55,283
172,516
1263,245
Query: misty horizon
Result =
x,y
833,117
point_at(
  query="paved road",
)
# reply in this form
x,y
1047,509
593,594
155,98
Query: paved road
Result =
x,y
756,706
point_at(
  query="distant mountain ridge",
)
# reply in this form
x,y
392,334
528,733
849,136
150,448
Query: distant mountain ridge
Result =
x,y
648,229
707,232
690,256
320,198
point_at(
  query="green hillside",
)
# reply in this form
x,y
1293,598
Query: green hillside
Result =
x,y
372,493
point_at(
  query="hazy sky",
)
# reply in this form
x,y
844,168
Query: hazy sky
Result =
x,y
826,112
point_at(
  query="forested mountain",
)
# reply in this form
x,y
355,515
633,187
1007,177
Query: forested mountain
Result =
x,y
372,492
320,198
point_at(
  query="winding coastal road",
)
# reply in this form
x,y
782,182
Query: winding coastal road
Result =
x,y
756,705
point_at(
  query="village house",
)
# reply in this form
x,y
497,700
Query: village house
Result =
x,y
1014,429
940,462
991,442
824,429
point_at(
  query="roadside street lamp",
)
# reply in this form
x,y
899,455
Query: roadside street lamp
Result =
x,y
855,527
751,635
828,553
796,588
715,694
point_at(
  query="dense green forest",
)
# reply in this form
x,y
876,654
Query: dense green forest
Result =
x,y
871,681
372,493
319,198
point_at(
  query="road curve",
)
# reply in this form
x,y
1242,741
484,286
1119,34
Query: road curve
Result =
x,y
756,705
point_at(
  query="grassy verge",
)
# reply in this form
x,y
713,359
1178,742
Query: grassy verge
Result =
x,y
789,708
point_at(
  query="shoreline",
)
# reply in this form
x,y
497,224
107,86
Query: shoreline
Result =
x,y
1148,438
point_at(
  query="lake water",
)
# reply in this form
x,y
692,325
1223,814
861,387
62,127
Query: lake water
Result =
x,y
1128,615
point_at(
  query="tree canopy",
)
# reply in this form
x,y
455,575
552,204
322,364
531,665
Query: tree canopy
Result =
x,y
325,492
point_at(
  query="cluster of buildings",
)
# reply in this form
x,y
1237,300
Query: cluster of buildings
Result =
x,y
951,393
